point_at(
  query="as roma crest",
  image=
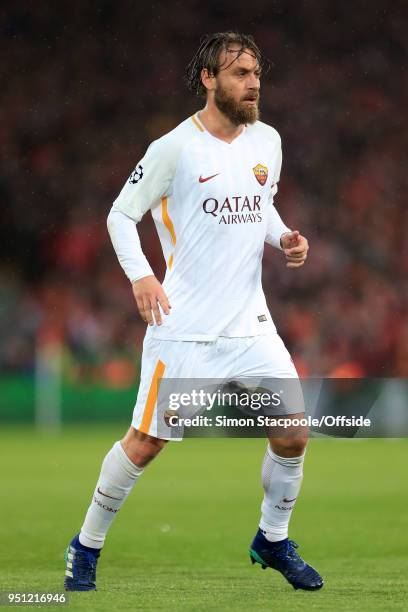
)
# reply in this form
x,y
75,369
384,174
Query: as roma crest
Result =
x,y
261,173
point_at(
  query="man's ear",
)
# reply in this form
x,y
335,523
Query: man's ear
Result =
x,y
207,79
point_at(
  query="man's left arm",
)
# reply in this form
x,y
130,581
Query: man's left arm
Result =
x,y
291,242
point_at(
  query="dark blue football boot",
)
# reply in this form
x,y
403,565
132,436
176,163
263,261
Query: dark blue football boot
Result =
x,y
282,556
80,573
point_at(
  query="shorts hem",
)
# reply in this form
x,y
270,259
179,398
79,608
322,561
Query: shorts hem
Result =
x,y
167,439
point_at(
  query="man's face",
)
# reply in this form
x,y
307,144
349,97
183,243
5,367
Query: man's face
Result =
x,y
236,93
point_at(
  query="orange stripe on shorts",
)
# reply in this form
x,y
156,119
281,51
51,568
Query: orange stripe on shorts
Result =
x,y
152,397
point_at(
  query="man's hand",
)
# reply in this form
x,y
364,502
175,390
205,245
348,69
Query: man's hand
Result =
x,y
149,294
295,248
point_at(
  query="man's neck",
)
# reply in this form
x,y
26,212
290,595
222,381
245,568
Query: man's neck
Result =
x,y
219,125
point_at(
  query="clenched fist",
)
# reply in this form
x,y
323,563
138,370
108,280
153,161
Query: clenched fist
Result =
x,y
295,246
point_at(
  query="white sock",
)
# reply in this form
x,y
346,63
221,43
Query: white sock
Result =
x,y
281,480
117,478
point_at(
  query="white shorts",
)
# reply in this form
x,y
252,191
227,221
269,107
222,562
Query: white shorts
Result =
x,y
255,357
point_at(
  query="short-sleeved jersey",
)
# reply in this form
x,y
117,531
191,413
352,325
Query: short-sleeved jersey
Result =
x,y
209,201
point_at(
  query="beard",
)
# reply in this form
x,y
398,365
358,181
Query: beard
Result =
x,y
237,112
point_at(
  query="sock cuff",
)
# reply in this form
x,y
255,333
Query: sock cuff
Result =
x,y
273,533
286,461
90,544
131,468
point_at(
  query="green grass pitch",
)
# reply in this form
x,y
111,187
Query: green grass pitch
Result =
x,y
181,540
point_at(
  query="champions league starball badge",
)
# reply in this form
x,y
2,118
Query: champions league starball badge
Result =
x,y
136,175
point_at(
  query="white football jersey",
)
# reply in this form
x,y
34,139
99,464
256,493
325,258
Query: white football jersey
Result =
x,y
212,204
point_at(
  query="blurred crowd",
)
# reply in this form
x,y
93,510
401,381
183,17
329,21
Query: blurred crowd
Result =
x,y
86,87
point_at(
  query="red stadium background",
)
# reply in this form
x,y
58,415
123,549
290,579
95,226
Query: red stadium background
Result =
x,y
88,86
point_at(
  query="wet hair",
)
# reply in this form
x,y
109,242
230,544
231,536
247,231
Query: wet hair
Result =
x,y
208,53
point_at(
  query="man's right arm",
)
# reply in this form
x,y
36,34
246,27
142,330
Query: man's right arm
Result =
x,y
125,241
146,185
147,290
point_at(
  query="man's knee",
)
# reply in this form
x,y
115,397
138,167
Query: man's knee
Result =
x,y
289,446
141,448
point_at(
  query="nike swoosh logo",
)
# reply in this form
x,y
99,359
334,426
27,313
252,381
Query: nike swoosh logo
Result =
x,y
287,501
207,178
104,494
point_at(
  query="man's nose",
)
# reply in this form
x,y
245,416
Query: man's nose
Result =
x,y
254,82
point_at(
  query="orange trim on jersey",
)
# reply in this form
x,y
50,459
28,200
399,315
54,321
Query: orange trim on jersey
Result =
x,y
167,221
197,124
170,262
152,397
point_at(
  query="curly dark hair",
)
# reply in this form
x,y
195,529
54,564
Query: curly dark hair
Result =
x,y
208,54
